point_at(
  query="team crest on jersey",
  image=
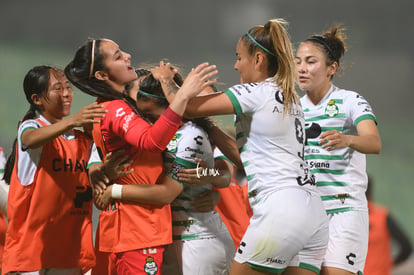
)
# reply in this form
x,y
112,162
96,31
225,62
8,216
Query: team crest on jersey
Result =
x,y
172,146
331,109
150,266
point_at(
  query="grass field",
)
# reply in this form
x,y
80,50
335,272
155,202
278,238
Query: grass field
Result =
x,y
392,170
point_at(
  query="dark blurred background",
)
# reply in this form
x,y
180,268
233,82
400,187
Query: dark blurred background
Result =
x,y
379,63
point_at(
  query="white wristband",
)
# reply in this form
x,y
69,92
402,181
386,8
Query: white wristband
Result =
x,y
116,191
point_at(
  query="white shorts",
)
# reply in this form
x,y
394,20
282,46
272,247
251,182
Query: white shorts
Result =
x,y
348,241
288,228
210,256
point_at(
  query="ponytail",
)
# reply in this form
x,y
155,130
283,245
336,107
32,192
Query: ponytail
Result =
x,y
8,169
286,74
35,82
273,40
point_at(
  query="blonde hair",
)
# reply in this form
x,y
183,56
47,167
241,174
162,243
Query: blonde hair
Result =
x,y
273,40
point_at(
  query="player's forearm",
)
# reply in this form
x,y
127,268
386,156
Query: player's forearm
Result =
x,y
163,193
34,138
226,144
224,169
367,144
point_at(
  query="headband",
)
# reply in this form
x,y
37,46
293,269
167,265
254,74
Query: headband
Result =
x,y
257,43
147,94
92,58
321,41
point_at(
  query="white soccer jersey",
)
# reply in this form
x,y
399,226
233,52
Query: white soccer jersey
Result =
x,y
189,142
340,174
270,142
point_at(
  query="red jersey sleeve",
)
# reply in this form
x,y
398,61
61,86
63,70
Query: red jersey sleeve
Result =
x,y
122,121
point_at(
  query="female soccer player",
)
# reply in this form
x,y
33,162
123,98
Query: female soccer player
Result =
x,y
337,155
49,205
288,231
135,233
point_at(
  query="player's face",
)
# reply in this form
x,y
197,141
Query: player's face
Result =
x,y
313,72
57,101
244,65
150,109
117,64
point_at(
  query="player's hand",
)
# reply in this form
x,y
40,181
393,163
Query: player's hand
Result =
x,y
97,178
332,140
198,79
87,115
195,176
206,202
116,164
103,199
163,71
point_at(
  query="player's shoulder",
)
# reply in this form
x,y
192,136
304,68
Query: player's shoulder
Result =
x,y
191,128
116,104
344,93
244,88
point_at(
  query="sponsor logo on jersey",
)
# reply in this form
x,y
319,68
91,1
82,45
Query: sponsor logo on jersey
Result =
x,y
69,165
119,112
331,109
312,151
172,146
316,164
127,119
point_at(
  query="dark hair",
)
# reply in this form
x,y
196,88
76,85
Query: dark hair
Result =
x,y
140,73
35,82
80,74
332,43
150,90
273,40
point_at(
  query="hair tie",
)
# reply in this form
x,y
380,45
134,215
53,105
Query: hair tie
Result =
x,y
257,43
92,59
321,41
148,94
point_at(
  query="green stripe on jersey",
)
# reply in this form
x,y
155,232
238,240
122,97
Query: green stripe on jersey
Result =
x,y
334,197
250,177
235,102
339,129
328,171
185,163
186,237
364,117
322,117
339,210
313,143
337,100
331,183
328,157
92,163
